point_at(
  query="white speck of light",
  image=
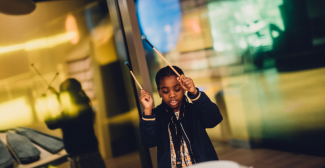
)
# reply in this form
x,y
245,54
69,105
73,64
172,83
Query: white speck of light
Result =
x,y
275,34
243,44
218,46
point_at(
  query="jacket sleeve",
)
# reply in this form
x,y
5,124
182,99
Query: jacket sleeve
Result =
x,y
208,111
148,130
63,119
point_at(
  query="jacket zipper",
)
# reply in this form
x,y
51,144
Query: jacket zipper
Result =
x,y
189,142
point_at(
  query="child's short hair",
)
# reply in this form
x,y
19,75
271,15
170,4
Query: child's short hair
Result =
x,y
166,71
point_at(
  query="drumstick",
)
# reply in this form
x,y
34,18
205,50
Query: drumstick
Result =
x,y
127,64
52,81
144,38
54,78
39,74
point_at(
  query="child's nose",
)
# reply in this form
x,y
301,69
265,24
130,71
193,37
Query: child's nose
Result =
x,y
172,94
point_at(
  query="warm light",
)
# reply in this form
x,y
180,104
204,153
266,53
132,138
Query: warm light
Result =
x,y
195,26
67,105
53,105
72,27
41,108
15,113
11,48
47,105
50,106
40,43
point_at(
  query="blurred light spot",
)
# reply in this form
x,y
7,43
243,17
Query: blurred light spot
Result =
x,y
39,43
50,166
238,29
11,48
248,10
41,108
243,44
15,113
195,26
218,46
168,29
67,105
229,47
72,27
275,34
47,105
257,43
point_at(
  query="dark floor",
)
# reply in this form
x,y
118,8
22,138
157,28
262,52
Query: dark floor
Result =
x,y
257,158
266,158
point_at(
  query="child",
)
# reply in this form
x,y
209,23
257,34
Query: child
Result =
x,y
177,127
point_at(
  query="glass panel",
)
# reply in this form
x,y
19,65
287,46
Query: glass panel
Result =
x,y
260,61
60,40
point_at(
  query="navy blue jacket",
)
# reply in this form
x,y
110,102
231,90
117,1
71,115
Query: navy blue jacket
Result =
x,y
202,114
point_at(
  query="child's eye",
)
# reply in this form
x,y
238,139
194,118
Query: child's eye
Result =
x,y
177,90
165,92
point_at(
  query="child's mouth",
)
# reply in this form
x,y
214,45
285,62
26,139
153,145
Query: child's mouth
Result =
x,y
173,103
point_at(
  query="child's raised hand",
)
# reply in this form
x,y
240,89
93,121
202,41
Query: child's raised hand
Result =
x,y
146,101
187,84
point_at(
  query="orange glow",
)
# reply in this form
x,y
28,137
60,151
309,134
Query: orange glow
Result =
x,y
195,26
72,27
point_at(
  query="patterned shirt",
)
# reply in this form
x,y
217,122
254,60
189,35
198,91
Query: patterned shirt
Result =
x,y
185,156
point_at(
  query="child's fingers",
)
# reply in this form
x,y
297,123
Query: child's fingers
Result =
x,y
188,83
180,79
147,97
143,91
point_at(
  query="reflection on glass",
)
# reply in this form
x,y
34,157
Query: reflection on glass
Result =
x,y
15,113
259,61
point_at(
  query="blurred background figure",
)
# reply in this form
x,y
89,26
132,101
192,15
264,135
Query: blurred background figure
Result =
x,y
77,124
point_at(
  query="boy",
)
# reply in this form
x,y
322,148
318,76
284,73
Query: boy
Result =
x,y
177,127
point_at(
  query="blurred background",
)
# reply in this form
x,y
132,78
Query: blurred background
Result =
x,y
261,61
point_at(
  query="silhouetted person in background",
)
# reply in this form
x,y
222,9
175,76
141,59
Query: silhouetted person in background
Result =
x,y
76,122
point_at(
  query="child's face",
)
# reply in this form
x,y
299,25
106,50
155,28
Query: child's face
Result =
x,y
171,92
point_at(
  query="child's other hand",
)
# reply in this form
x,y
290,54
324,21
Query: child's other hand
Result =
x,y
146,101
187,84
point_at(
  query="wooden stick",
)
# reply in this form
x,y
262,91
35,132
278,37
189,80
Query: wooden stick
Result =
x,y
144,38
51,82
136,80
48,84
165,61
127,64
39,74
